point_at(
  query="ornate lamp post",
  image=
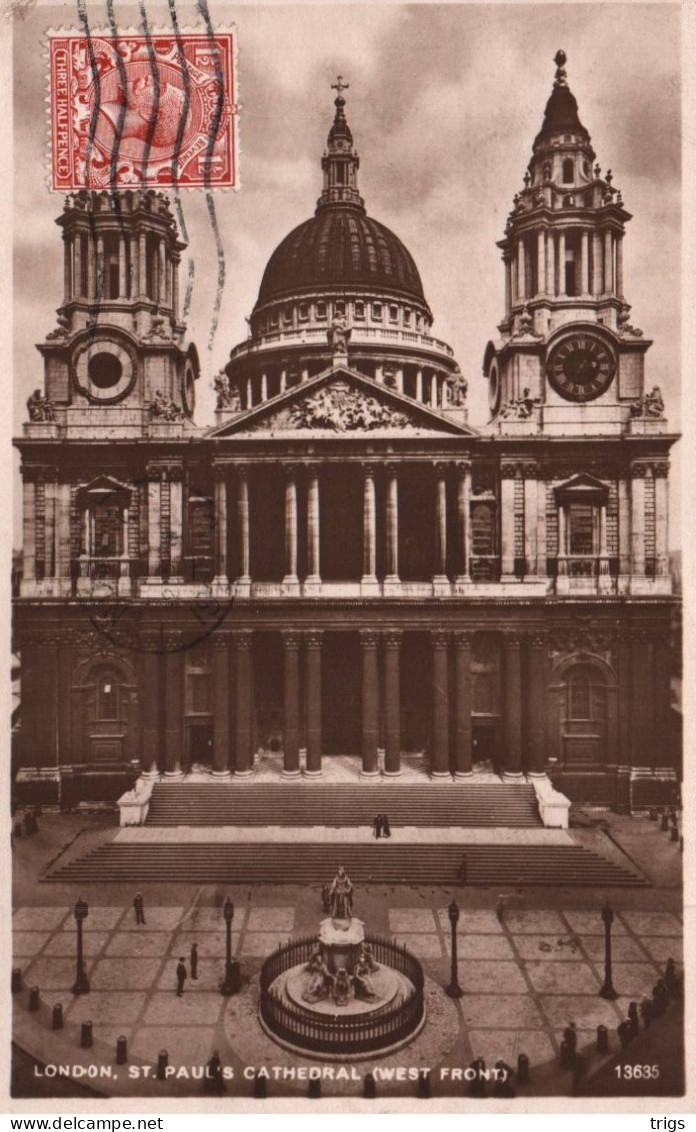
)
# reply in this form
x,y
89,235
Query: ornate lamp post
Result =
x,y
231,983
454,990
607,990
81,912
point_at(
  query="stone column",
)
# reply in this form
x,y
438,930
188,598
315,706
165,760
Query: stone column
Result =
x,y
174,704
643,698
597,271
508,284
464,520
512,708
619,266
101,274
77,266
221,714
608,262
541,262
150,701
175,288
162,272
507,522
392,703
585,262
624,502
561,262
440,577
638,474
249,393
433,391
313,549
221,570
562,539
439,759
551,265
243,524
530,519
664,753
463,703
50,528
419,385
142,265
291,704
625,717
370,703
63,534
541,550
28,527
91,267
122,265
264,386
392,509
244,705
67,268
290,578
521,280
661,472
176,525
537,702
369,577
313,641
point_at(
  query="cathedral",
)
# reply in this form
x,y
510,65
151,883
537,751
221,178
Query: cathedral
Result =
x,y
344,565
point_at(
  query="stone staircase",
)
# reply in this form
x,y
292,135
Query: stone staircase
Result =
x,y
215,862
315,803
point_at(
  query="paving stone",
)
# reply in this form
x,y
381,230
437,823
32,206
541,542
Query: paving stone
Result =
x,y
661,948
587,1010
156,918
562,948
138,943
591,923
209,943
125,974
212,919
501,1011
481,947
192,1009
509,1044
28,943
562,978
653,923
28,919
271,920
98,919
193,1046
411,920
534,922
623,947
64,943
51,973
261,944
424,946
471,920
634,978
480,976
110,1008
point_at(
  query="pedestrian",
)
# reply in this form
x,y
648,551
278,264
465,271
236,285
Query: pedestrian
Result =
x,y
671,979
477,1079
385,826
377,825
570,1035
503,1080
180,977
633,1017
213,1074
194,960
646,1010
660,998
625,1032
139,906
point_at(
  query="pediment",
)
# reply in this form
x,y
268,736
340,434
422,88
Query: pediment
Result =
x,y
582,487
341,402
104,487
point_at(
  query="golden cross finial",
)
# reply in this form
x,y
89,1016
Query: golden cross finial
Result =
x,y
339,85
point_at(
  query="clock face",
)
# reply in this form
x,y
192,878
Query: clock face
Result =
x,y
581,368
494,386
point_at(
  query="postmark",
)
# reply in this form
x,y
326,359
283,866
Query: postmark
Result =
x,y
174,122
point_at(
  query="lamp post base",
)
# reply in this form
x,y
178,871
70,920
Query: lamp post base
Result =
x,y
233,979
608,992
454,990
81,986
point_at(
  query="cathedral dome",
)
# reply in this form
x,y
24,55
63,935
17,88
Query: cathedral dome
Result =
x,y
340,246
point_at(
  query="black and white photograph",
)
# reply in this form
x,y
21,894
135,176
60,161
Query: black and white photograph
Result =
x,y
346,647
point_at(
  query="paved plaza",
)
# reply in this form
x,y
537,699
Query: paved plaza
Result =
x,y
525,976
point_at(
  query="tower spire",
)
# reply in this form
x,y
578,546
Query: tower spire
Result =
x,y
340,162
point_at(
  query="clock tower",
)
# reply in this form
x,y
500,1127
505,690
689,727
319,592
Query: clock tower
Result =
x,y
568,362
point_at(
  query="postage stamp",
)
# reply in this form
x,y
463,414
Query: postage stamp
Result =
x,y
133,111
347,683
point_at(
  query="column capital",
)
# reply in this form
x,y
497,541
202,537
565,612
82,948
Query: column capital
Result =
x,y
291,638
392,638
509,469
464,638
463,466
440,638
441,467
243,638
221,642
313,638
539,639
391,468
220,472
369,638
661,469
640,469
530,469
369,469
513,640
290,471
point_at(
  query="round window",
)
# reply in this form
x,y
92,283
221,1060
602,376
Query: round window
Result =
x,y
104,370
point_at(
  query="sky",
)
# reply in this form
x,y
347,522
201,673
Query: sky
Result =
x,y
444,104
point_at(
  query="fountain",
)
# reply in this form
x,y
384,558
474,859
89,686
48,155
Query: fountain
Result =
x,y
341,993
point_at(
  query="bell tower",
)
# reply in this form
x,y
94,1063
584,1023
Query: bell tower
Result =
x,y
115,366
568,361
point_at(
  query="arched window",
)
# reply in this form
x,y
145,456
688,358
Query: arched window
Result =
x,y
568,171
108,698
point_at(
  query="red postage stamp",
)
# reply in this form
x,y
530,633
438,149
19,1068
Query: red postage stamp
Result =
x,y
134,111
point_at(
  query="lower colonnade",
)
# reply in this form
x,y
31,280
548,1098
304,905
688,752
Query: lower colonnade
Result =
x,y
376,696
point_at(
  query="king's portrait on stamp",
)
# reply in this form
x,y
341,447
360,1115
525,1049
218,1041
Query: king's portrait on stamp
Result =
x,y
346,641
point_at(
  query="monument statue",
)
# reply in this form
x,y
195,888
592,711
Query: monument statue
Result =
x,y
320,982
339,334
341,894
457,386
40,408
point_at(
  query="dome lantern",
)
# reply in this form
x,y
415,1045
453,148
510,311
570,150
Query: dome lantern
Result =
x,y
340,162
